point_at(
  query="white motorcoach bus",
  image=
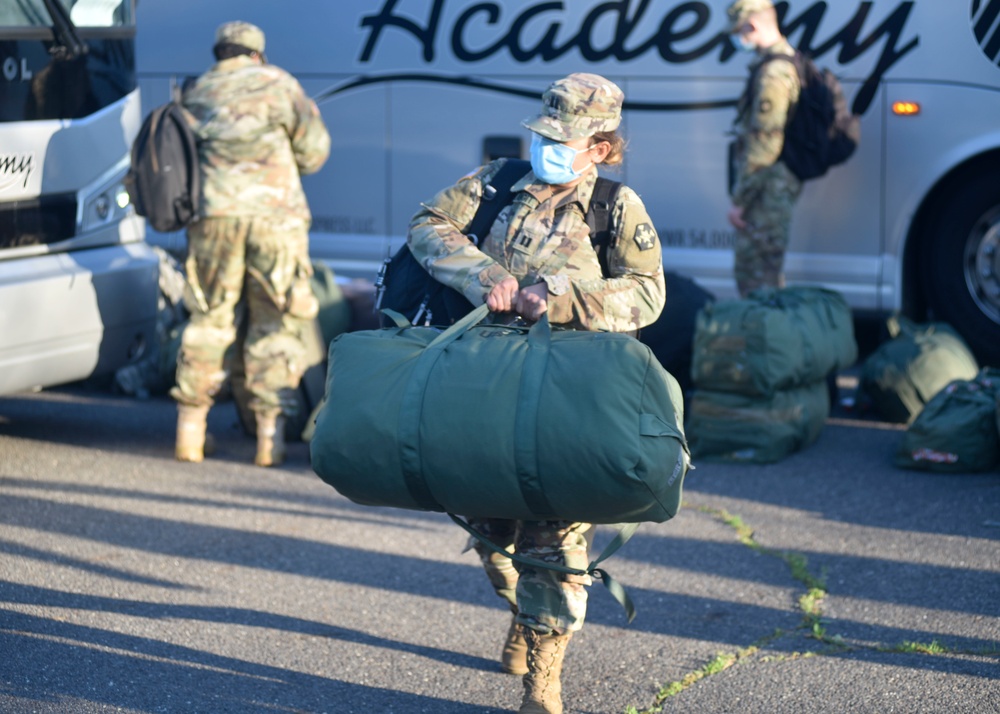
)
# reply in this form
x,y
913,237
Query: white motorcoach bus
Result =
x,y
78,286
418,92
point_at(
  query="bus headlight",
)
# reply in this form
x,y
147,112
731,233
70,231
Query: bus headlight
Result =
x,y
106,201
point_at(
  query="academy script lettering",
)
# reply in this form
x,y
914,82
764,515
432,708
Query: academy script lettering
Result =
x,y
14,169
682,24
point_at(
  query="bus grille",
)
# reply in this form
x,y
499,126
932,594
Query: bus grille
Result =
x,y
40,221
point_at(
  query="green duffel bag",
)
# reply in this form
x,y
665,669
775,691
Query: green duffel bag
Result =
x,y
333,318
956,431
772,340
903,374
502,422
723,426
334,310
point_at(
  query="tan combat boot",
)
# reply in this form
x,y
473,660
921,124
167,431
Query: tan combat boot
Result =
x,y
542,688
514,659
191,433
270,439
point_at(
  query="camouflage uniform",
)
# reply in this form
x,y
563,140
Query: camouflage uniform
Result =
x,y
542,237
257,132
765,187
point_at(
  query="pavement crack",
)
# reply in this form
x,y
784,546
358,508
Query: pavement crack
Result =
x,y
810,604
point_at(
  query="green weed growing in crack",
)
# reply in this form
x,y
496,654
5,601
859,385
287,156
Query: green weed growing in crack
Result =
x,y
790,657
810,604
933,648
936,648
720,663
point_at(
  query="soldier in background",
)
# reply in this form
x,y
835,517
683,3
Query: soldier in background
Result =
x,y
257,132
765,189
538,258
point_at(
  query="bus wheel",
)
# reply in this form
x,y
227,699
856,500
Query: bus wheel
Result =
x,y
962,266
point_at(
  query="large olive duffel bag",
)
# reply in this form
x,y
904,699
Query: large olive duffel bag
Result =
x,y
503,422
774,339
737,428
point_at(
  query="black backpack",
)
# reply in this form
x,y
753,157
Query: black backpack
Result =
x,y
404,286
821,131
163,181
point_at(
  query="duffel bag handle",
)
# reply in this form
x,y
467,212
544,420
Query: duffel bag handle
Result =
x,y
460,327
541,330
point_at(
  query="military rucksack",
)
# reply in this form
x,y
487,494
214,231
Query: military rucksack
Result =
x,y
821,131
955,432
404,286
903,374
163,181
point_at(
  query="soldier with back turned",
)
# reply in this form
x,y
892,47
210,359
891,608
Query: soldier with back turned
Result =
x,y
257,133
765,190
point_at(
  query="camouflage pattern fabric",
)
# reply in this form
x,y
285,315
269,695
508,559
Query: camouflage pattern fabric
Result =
x,y
577,106
241,33
740,11
542,236
266,260
759,253
257,133
544,600
765,188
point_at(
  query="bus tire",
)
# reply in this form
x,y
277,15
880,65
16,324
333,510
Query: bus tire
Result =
x,y
961,266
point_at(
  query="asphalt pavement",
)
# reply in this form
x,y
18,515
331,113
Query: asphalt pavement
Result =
x,y
129,582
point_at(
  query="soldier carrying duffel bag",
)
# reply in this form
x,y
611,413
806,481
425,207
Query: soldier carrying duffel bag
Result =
x,y
507,403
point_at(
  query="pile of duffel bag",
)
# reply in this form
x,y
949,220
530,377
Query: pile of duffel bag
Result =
x,y
760,368
958,430
502,421
905,373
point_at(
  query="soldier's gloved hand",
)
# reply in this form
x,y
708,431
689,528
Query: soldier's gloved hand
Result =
x,y
503,295
532,302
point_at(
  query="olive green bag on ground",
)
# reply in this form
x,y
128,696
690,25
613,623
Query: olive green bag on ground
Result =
x,y
739,428
502,422
903,374
956,431
772,340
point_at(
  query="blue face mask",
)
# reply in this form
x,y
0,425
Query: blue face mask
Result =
x,y
552,162
744,44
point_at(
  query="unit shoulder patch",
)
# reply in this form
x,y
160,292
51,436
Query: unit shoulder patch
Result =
x,y
644,236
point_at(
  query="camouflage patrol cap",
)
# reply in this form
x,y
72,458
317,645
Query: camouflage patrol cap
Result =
x,y
240,33
577,106
740,10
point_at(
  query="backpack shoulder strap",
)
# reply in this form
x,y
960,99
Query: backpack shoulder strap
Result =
x,y
598,218
496,195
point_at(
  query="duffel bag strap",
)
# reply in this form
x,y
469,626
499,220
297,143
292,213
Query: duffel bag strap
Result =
x,y
625,532
397,318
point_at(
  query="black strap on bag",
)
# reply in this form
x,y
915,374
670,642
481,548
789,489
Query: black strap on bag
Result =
x,y
599,218
496,195
404,286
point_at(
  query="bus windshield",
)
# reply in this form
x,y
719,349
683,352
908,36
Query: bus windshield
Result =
x,y
82,13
